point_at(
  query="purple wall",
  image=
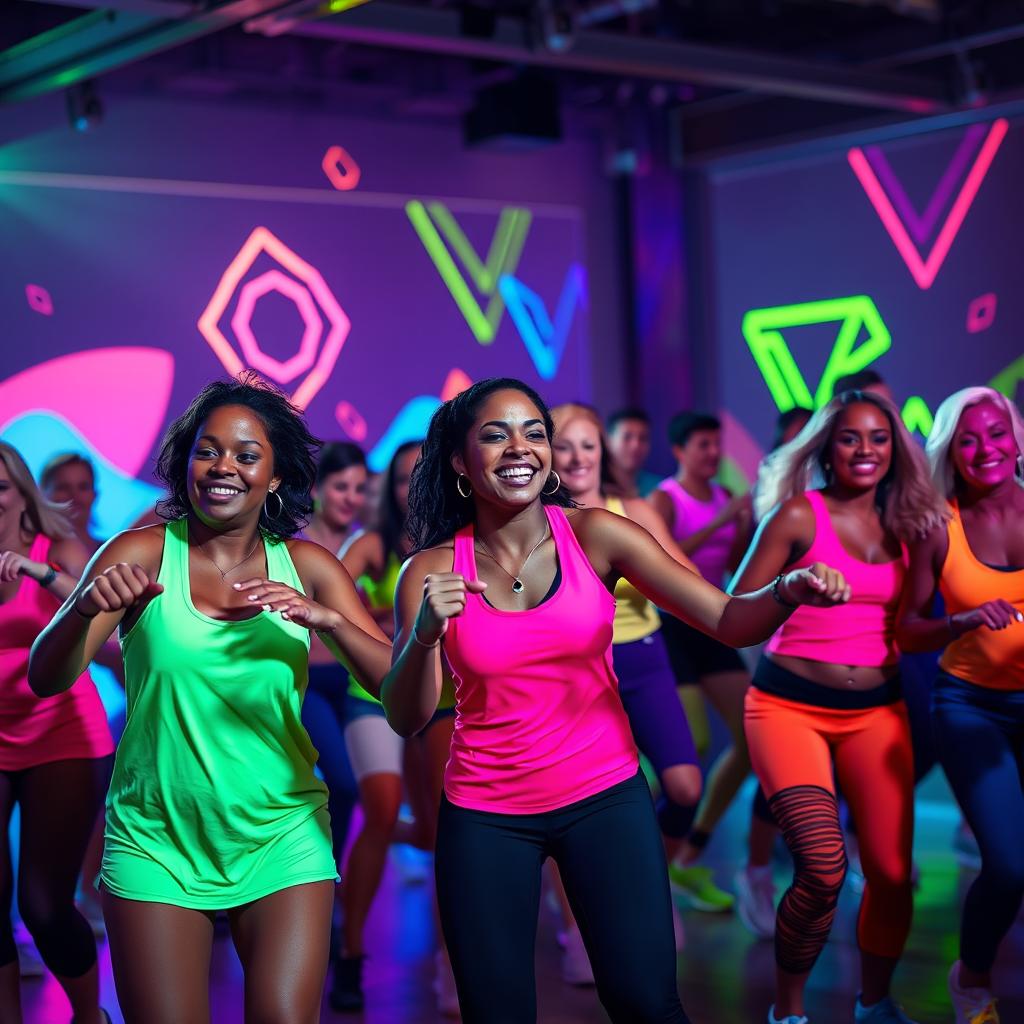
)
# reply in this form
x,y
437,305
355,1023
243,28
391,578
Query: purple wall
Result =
x,y
804,230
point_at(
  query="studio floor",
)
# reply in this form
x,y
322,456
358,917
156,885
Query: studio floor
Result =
x,y
725,975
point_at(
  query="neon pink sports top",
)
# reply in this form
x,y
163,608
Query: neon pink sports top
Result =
x,y
712,558
861,632
37,730
538,719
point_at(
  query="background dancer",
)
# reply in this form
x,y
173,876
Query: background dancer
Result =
x,y
826,695
54,754
976,562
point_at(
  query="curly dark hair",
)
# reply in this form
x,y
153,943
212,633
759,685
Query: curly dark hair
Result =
x,y
294,450
436,510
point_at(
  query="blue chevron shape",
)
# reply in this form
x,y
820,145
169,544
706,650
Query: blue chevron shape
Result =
x,y
409,425
545,340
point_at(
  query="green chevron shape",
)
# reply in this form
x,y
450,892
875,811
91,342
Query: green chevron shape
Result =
x,y
1007,380
762,329
441,236
917,416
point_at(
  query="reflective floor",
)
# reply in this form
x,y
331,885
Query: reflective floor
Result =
x,y
724,973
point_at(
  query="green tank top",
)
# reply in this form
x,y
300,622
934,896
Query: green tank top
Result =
x,y
213,801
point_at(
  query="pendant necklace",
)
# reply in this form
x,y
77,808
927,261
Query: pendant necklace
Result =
x,y
223,575
517,583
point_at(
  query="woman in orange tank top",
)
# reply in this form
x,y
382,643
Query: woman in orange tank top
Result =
x,y
976,561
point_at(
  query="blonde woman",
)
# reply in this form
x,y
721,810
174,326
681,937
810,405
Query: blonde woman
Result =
x,y
54,754
976,561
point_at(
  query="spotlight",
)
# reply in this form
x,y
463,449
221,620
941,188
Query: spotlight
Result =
x,y
85,108
556,24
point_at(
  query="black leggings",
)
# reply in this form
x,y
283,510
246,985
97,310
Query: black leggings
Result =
x,y
59,802
610,856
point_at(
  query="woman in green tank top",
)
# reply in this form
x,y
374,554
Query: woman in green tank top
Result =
x,y
214,804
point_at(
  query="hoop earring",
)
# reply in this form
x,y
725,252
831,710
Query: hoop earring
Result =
x,y
458,485
558,484
280,505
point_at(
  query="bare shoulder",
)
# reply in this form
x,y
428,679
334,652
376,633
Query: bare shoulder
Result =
x,y
794,517
438,558
142,546
307,554
593,525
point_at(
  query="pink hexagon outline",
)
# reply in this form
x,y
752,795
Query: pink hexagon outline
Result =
x,y
241,323
263,240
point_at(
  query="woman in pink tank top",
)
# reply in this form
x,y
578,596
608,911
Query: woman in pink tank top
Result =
x,y
54,753
512,586
825,706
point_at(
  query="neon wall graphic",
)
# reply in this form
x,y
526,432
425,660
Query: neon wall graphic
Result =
x,y
981,313
872,169
545,339
39,299
441,236
855,314
305,286
341,169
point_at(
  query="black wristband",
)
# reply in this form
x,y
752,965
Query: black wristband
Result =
x,y
78,611
779,599
51,575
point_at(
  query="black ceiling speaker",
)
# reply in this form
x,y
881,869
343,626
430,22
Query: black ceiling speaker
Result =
x,y
520,114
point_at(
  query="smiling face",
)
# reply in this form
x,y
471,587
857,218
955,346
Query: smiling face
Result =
x,y
231,468
506,454
12,508
861,447
984,449
701,456
73,484
341,496
629,444
576,455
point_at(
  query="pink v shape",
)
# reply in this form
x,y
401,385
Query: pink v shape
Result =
x,y
924,271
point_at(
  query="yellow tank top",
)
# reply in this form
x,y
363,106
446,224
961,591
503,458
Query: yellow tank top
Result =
x,y
635,616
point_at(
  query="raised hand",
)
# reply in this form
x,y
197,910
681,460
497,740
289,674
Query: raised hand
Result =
x,y
819,585
115,589
273,596
12,565
992,615
444,597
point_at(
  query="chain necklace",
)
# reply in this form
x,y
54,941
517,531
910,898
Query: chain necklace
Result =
x,y
224,573
517,583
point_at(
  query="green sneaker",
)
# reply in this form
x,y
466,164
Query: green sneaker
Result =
x,y
694,885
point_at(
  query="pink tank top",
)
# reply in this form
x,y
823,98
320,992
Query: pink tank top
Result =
x,y
712,558
538,719
861,632
37,730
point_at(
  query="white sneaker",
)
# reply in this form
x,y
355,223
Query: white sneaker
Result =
x,y
30,963
576,969
755,900
444,986
971,1005
791,1019
678,931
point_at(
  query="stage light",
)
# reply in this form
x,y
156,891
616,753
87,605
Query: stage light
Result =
x,y
85,108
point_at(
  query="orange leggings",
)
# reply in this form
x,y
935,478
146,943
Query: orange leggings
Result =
x,y
793,747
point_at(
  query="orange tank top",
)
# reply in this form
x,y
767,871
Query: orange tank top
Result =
x,y
992,658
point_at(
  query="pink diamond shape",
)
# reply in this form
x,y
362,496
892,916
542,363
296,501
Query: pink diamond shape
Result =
x,y
241,323
39,299
262,240
351,420
981,313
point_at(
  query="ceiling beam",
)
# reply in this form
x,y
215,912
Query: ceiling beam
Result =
x,y
437,30
107,39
